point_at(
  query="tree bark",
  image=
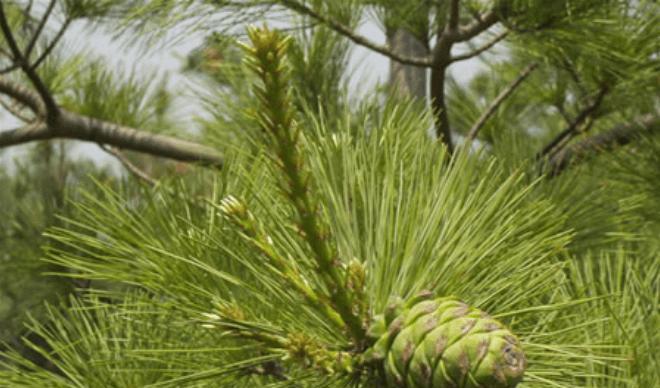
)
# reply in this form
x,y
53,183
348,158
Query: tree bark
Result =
x,y
70,125
406,80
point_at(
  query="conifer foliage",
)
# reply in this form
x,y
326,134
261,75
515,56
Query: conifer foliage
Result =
x,y
339,245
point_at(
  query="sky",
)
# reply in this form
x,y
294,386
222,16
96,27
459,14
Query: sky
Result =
x,y
369,69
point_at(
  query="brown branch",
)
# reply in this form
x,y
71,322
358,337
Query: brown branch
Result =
x,y
574,125
37,32
356,38
51,107
69,125
9,69
73,126
454,13
475,28
15,111
22,95
480,50
132,168
28,133
52,44
504,94
618,136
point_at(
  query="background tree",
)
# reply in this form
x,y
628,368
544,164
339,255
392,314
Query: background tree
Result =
x,y
321,253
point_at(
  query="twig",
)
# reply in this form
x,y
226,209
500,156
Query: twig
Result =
x,y
40,27
356,38
475,28
584,114
52,110
52,44
132,168
9,68
480,50
15,111
620,135
504,94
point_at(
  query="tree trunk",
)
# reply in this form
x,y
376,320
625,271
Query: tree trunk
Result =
x,y
405,80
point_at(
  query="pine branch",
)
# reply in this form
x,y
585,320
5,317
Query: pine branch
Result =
x,y
454,13
481,24
52,44
355,37
276,117
480,50
30,132
504,94
574,125
15,110
130,167
52,110
70,125
239,214
22,95
618,136
40,27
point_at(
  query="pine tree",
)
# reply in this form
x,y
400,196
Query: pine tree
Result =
x,y
339,245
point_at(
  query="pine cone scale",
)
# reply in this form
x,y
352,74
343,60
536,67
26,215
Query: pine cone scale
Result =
x,y
442,343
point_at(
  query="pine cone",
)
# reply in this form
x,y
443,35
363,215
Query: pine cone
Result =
x,y
431,342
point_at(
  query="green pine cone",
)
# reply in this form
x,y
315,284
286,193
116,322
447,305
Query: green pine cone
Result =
x,y
431,342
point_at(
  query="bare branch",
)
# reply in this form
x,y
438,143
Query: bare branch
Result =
x,y
28,133
9,68
37,32
475,28
569,131
454,13
618,136
480,50
22,95
52,44
15,110
52,109
69,125
356,38
132,168
504,94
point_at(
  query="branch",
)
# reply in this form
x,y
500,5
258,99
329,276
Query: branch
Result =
x,y
52,44
69,125
40,27
454,13
15,111
504,94
475,28
132,168
22,95
584,114
51,107
356,38
620,135
74,126
28,133
478,51
9,68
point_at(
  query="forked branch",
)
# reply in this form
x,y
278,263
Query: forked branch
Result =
x,y
355,37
